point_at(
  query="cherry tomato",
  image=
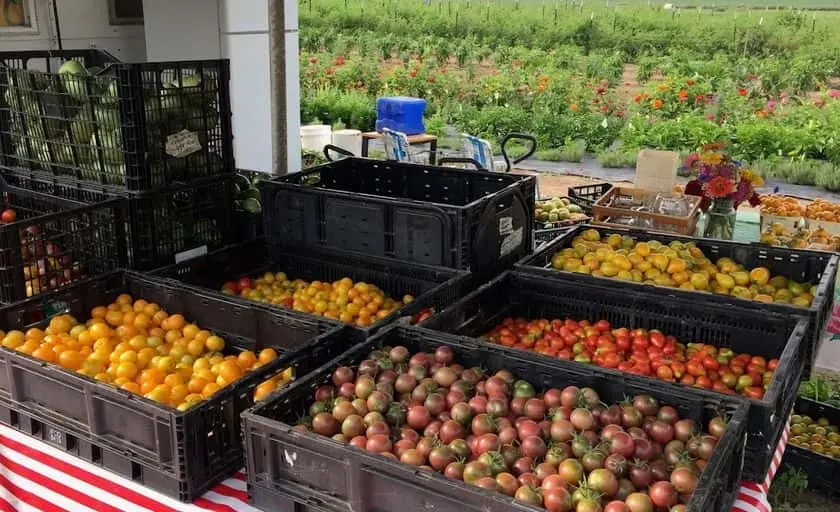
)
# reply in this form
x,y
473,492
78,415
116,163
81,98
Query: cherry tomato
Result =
x,y
772,364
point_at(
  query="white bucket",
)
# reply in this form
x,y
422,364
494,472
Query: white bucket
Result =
x,y
315,136
351,140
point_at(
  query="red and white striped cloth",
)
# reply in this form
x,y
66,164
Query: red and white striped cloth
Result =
x,y
37,477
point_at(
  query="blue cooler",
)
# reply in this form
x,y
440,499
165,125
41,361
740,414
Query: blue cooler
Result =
x,y
400,114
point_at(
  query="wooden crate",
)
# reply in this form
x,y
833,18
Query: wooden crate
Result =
x,y
603,212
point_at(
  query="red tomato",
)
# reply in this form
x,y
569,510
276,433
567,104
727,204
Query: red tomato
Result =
x,y
687,379
695,369
657,339
755,368
736,369
772,364
719,386
678,369
622,343
665,373
602,325
753,392
758,360
703,382
611,360
710,363
640,343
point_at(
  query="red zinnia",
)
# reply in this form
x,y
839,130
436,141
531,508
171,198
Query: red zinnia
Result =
x,y
742,92
719,187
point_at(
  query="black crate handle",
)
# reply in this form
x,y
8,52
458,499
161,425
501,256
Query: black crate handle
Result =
x,y
530,139
488,217
336,149
460,160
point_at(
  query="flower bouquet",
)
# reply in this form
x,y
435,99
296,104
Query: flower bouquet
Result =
x,y
724,184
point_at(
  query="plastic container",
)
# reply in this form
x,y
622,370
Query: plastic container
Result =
x,y
823,471
286,467
400,114
813,267
163,227
431,287
181,454
456,218
314,137
349,140
56,241
127,126
764,334
585,196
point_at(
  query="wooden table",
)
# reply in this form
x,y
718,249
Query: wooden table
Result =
x,y
414,140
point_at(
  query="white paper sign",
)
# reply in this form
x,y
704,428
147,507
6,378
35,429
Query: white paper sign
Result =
x,y
656,170
183,143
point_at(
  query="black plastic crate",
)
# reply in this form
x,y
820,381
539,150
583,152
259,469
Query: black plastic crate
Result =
x,y
586,196
286,466
127,126
815,267
181,222
823,470
181,454
162,227
470,220
432,287
544,236
55,241
764,334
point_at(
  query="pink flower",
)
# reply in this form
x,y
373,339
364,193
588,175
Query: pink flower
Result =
x,y
771,105
834,93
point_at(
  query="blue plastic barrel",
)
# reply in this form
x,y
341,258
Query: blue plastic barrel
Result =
x,y
401,114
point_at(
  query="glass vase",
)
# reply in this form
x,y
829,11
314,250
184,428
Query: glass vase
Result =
x,y
720,219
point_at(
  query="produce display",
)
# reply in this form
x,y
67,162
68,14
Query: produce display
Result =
x,y
556,211
783,206
802,238
820,209
357,303
815,435
563,449
247,193
136,346
73,118
639,351
676,265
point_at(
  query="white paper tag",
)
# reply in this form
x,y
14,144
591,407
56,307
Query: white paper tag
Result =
x,y
182,144
512,242
190,254
505,225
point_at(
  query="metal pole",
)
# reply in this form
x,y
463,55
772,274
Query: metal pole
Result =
x,y
277,70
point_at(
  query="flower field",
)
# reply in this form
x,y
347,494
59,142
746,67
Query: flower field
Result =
x,y
613,79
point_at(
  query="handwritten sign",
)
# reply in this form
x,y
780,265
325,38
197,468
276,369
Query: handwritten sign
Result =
x,y
182,144
656,170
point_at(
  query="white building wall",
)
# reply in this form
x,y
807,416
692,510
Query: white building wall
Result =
x,y
84,24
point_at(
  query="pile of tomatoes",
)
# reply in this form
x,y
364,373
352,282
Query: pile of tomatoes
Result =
x,y
357,303
639,351
562,449
139,347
